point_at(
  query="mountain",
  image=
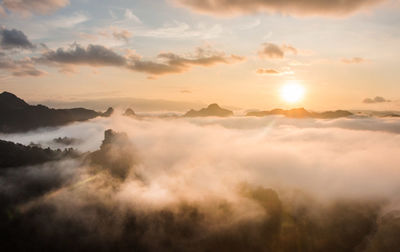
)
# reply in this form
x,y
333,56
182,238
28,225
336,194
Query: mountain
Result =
x,y
334,114
15,155
18,116
114,156
302,113
129,112
108,113
212,110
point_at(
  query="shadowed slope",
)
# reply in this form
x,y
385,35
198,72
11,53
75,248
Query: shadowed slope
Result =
x,y
18,116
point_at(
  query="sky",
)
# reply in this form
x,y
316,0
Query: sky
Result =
x,y
345,54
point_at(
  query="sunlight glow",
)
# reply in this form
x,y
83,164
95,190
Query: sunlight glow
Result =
x,y
292,92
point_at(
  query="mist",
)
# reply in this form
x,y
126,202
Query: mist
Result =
x,y
211,184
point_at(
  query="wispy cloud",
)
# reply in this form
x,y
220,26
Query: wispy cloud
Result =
x,y
130,16
181,30
19,68
271,71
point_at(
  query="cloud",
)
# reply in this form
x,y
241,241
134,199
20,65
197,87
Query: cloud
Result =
x,y
2,11
92,55
130,16
28,71
354,60
14,39
28,7
377,99
109,32
275,177
174,63
19,68
267,71
167,63
290,7
270,71
122,35
274,51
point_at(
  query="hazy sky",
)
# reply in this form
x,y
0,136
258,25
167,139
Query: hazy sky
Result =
x,y
237,53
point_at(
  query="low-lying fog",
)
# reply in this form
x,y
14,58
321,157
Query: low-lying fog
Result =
x,y
272,183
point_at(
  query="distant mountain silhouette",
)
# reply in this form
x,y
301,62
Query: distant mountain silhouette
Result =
x,y
17,116
302,113
129,112
15,155
212,110
108,113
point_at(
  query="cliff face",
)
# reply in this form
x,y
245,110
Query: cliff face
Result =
x,y
115,155
212,110
18,116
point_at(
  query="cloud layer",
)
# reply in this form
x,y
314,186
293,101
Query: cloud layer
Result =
x,y
279,180
291,7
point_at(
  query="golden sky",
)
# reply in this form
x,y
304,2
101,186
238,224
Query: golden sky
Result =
x,y
344,54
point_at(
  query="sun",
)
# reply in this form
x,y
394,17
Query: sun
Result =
x,y
292,92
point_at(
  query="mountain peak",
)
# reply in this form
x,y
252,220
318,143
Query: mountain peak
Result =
x,y
109,112
213,106
11,101
129,112
212,110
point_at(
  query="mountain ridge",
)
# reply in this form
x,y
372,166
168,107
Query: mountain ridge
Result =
x,y
212,110
18,116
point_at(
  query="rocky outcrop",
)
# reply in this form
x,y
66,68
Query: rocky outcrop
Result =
x,y
212,110
116,155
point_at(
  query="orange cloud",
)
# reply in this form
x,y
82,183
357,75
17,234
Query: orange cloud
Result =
x,y
274,51
173,63
270,71
28,7
290,7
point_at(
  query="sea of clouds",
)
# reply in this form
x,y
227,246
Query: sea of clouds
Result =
x,y
199,184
